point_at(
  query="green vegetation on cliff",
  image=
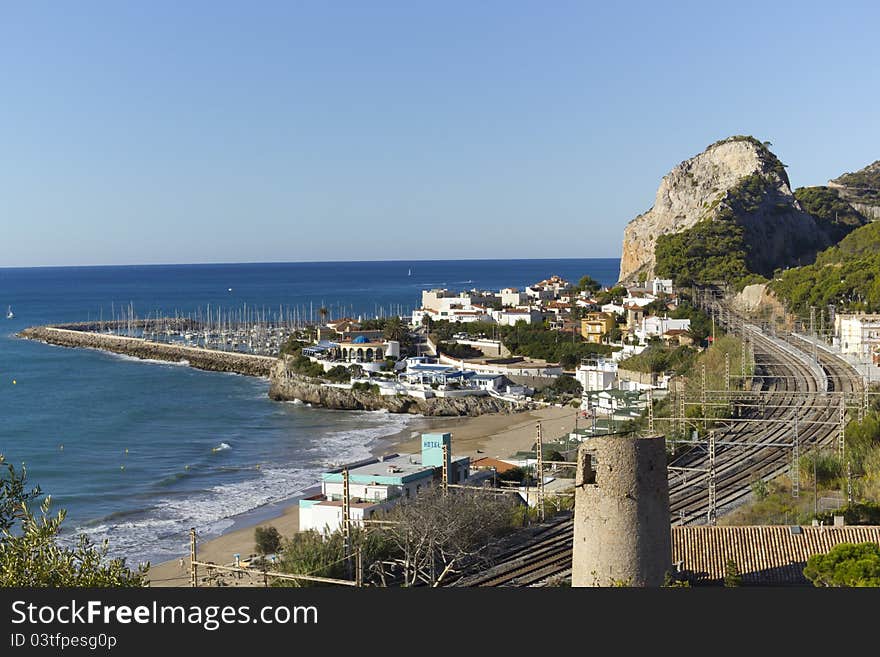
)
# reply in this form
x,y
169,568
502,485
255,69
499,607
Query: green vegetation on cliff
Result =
x,y
863,185
709,252
834,215
846,275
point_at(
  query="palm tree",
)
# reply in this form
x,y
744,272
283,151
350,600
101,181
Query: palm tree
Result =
x,y
323,312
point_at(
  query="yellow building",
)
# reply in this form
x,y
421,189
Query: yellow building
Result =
x,y
595,326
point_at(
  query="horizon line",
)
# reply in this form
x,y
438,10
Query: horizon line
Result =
x,y
293,262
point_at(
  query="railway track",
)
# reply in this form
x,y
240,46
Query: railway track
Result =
x,y
804,397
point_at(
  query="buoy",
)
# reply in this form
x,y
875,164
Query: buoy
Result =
x,y
122,467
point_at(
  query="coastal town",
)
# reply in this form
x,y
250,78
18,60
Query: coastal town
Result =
x,y
713,404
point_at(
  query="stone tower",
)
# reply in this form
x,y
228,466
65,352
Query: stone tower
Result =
x,y
621,513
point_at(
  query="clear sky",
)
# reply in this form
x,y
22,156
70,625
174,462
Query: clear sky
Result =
x,y
159,132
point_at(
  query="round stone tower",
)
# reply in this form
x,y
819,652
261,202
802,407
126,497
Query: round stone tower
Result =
x,y
621,514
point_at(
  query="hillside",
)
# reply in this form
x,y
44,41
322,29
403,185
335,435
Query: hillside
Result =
x,y
721,215
846,275
861,189
729,215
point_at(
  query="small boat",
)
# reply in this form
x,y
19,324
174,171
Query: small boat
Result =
x,y
9,313
409,272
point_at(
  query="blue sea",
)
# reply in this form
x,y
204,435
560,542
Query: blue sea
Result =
x,y
139,451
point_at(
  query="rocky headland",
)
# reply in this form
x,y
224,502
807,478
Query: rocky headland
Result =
x,y
286,385
726,213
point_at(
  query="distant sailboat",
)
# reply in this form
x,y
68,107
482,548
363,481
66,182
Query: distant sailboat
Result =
x,y
9,313
409,272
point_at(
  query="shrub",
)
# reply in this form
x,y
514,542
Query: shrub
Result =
x,y
267,539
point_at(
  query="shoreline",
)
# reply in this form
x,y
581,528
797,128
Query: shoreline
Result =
x,y
497,436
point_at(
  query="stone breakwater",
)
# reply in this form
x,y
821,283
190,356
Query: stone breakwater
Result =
x,y
285,385
203,359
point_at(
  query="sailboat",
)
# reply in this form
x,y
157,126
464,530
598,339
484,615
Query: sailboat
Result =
x,y
9,313
409,272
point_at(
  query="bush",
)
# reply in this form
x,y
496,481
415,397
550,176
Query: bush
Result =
x,y
32,557
267,539
338,374
846,564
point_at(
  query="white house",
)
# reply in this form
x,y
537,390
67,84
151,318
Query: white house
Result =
x,y
510,316
511,296
661,286
597,375
378,484
857,334
657,326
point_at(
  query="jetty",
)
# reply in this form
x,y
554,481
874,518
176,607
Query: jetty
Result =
x,y
80,335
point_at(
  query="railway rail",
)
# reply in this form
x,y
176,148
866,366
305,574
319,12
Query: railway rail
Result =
x,y
806,400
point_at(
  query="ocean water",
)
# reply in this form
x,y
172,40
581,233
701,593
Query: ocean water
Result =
x,y
138,451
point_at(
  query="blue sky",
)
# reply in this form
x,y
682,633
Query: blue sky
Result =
x,y
160,132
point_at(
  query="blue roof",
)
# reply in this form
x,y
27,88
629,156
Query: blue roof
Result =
x,y
361,339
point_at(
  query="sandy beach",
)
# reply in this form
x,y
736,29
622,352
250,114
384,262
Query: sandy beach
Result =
x,y
496,436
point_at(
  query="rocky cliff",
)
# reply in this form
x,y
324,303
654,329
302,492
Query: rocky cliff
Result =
x,y
861,189
288,386
738,181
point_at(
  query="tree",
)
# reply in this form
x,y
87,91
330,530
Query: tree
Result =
x,y
30,555
846,564
267,539
323,312
438,533
589,284
567,385
732,576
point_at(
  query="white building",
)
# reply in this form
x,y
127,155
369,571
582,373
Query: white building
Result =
x,y
857,334
615,308
379,484
641,302
661,286
510,316
510,296
597,375
656,326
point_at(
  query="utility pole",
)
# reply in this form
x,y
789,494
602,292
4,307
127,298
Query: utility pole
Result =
x,y
445,476
712,513
841,435
727,371
703,394
795,465
681,415
539,448
346,522
194,579
849,483
650,411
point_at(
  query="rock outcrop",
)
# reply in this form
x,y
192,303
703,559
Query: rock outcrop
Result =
x,y
736,179
288,386
861,189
